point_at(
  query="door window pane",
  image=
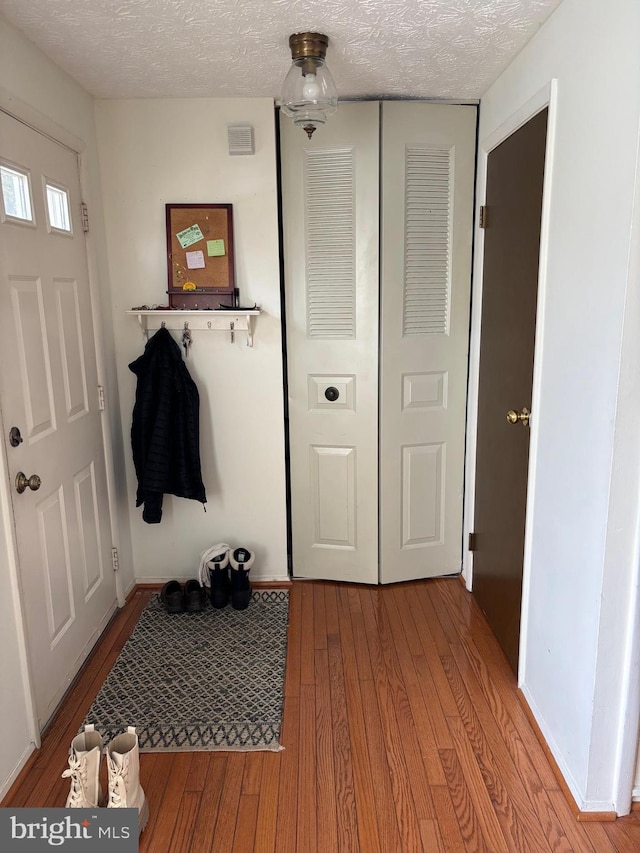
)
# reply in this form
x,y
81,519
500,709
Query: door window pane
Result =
x,y
16,198
58,208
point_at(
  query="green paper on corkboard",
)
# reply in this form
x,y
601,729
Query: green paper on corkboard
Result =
x,y
190,235
215,248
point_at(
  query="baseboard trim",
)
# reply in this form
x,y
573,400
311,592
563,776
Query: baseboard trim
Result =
x,y
582,816
25,762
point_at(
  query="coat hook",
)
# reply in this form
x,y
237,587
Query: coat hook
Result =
x,y
231,328
186,339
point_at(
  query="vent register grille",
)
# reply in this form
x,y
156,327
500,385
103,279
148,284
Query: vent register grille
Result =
x,y
330,241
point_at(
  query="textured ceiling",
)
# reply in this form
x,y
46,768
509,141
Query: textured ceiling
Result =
x,y
239,48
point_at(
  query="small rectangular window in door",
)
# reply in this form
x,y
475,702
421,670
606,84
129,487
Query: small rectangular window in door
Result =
x,y
16,195
58,215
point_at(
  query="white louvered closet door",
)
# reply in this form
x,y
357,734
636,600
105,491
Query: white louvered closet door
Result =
x,y
426,231
330,215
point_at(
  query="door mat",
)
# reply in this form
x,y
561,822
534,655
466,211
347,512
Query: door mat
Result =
x,y
211,680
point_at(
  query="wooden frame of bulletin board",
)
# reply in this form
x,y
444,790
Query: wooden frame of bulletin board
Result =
x,y
200,256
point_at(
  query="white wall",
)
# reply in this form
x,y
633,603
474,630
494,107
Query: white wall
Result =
x,y
154,152
581,579
36,90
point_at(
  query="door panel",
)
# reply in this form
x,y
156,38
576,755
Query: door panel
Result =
x,y
515,171
428,153
422,504
333,471
330,216
48,382
71,348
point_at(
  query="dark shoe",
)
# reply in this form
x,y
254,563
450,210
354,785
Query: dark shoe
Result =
x,y
219,580
172,597
241,561
193,596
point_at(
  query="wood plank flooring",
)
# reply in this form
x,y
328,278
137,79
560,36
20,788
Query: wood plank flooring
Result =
x,y
402,728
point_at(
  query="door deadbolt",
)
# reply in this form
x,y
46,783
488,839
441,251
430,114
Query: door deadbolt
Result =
x,y
23,482
14,437
513,417
331,394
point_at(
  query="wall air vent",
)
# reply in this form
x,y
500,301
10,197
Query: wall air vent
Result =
x,y
240,139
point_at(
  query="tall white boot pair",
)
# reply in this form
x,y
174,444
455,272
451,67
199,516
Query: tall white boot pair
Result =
x,y
123,764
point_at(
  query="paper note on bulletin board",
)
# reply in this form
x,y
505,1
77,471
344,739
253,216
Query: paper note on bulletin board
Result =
x,y
195,260
189,236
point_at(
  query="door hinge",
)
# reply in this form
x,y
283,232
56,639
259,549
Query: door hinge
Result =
x,y
484,215
101,403
114,559
85,217
472,542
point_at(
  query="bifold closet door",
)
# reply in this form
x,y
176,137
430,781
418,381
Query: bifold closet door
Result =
x,y
378,465
330,194
428,153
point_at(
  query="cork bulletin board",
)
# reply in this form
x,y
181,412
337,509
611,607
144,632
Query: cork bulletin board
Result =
x,y
200,256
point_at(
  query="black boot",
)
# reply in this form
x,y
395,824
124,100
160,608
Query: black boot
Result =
x,y
241,561
219,579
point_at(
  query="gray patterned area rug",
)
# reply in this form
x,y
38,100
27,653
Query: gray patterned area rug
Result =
x,y
200,681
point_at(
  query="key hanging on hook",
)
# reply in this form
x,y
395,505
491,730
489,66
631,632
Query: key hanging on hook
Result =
x,y
186,339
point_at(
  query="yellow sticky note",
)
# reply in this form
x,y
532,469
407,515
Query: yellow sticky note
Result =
x,y
215,248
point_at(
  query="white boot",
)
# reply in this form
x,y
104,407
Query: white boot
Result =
x,y
84,767
123,763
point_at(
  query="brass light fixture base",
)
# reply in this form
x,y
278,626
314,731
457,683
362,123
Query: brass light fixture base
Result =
x,y
312,45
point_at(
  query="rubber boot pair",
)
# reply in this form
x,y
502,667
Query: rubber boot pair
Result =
x,y
229,578
123,764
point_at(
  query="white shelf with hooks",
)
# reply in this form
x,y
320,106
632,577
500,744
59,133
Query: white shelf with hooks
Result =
x,y
231,321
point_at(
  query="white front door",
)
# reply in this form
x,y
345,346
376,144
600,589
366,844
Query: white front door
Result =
x,y
426,235
330,214
49,385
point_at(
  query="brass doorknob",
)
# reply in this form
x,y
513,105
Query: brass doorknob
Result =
x,y
513,417
23,482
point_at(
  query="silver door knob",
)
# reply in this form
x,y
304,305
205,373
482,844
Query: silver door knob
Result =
x,y
23,482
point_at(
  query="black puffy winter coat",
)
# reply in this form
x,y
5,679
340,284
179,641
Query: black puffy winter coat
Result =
x,y
165,431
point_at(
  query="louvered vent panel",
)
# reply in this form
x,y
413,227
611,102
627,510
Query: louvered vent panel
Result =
x,y
330,243
427,265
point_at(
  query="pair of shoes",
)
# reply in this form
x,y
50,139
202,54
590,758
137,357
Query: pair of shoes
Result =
x,y
176,599
229,578
123,764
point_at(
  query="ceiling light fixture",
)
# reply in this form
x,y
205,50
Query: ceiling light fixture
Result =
x,y
309,95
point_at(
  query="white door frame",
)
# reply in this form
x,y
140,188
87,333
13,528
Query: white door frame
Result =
x,y
546,97
629,714
26,114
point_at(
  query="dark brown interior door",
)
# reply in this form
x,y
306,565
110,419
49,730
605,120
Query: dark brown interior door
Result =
x,y
515,171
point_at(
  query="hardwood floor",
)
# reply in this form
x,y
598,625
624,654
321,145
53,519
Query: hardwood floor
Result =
x,y
403,731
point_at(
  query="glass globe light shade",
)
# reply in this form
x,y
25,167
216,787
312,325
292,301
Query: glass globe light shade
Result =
x,y
309,95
